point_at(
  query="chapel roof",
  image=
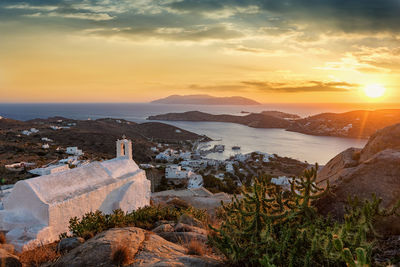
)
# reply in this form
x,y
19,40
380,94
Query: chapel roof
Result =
x,y
64,185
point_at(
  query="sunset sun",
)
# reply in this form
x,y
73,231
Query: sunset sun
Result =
x,y
374,90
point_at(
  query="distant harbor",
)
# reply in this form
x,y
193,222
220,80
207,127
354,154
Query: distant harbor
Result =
x,y
296,145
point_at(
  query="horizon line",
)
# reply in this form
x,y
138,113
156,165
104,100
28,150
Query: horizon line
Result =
x,y
150,102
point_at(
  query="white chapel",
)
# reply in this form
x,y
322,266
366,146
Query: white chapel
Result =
x,y
39,209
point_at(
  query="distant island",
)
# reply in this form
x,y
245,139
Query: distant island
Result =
x,y
280,114
255,120
356,124
205,100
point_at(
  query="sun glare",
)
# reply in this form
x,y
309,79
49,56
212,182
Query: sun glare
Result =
x,y
374,90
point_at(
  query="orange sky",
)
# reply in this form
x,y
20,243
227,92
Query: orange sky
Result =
x,y
121,51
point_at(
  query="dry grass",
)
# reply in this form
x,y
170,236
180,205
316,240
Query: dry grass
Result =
x,y
39,255
214,222
195,247
120,256
2,238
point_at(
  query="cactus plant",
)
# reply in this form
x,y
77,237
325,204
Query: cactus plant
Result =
x,y
268,226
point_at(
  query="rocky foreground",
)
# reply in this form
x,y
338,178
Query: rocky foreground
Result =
x,y
138,247
170,243
375,169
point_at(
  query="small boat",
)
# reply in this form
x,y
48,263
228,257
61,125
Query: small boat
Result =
x,y
236,148
219,148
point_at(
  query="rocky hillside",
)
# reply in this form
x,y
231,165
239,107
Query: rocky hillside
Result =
x,y
358,124
255,120
355,124
375,169
280,114
96,138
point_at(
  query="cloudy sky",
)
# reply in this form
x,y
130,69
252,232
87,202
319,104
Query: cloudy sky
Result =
x,y
140,50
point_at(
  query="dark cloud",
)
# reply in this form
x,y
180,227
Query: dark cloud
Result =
x,y
198,6
346,15
208,19
310,86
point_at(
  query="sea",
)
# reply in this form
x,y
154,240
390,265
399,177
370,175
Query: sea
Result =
x,y
313,149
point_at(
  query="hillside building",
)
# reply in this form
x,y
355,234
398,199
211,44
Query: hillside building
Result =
x,y
39,209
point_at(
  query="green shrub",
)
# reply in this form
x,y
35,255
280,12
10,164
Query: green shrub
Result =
x,y
271,227
95,222
216,185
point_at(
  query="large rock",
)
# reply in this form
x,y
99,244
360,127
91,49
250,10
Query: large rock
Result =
x,y
189,220
156,251
183,237
373,170
163,228
181,227
67,244
387,138
340,165
143,249
98,250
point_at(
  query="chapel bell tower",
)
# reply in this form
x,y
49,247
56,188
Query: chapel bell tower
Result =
x,y
124,148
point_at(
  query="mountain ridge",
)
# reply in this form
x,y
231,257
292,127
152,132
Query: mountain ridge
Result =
x,y
357,124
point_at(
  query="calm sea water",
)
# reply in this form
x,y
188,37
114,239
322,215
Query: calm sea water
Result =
x,y
299,146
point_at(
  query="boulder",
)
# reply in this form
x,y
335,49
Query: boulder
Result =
x,y
181,227
67,244
98,251
387,138
189,220
8,259
161,222
163,228
339,166
143,248
372,170
156,251
183,237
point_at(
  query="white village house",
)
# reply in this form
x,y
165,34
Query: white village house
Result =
x,y
176,172
45,146
229,167
242,157
73,150
37,210
176,175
